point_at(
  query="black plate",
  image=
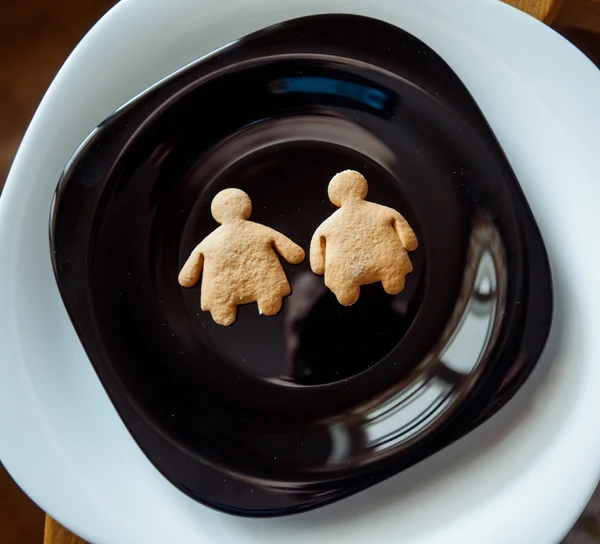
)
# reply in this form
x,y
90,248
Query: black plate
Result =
x,y
277,415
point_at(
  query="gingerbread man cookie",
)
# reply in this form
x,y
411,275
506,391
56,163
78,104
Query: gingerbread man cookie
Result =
x,y
238,261
360,243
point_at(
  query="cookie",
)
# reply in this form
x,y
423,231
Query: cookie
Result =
x,y
361,243
238,261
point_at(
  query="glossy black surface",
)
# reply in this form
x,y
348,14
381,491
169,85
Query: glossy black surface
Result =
x,y
276,415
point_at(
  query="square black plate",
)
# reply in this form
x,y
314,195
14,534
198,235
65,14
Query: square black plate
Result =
x,y
277,415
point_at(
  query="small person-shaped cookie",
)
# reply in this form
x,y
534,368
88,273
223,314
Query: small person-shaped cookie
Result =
x,y
239,261
360,243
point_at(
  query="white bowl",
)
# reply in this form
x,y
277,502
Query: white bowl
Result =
x,y
523,477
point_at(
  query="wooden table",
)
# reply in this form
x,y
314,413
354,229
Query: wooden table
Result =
x,y
55,533
544,10
583,14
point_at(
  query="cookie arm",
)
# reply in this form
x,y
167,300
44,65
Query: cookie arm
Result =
x,y
190,273
290,251
405,233
317,252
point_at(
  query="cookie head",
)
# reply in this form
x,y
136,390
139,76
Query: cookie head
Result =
x,y
347,186
231,205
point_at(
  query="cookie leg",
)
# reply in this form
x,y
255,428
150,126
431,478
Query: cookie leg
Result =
x,y
348,294
269,306
393,283
224,315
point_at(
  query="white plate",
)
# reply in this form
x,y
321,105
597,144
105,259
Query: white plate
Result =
x,y
523,477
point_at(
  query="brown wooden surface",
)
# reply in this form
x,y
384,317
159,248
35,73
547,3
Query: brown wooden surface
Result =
x,y
21,522
583,14
544,10
55,533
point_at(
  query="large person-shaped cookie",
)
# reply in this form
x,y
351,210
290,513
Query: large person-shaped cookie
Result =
x,y
239,261
361,243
